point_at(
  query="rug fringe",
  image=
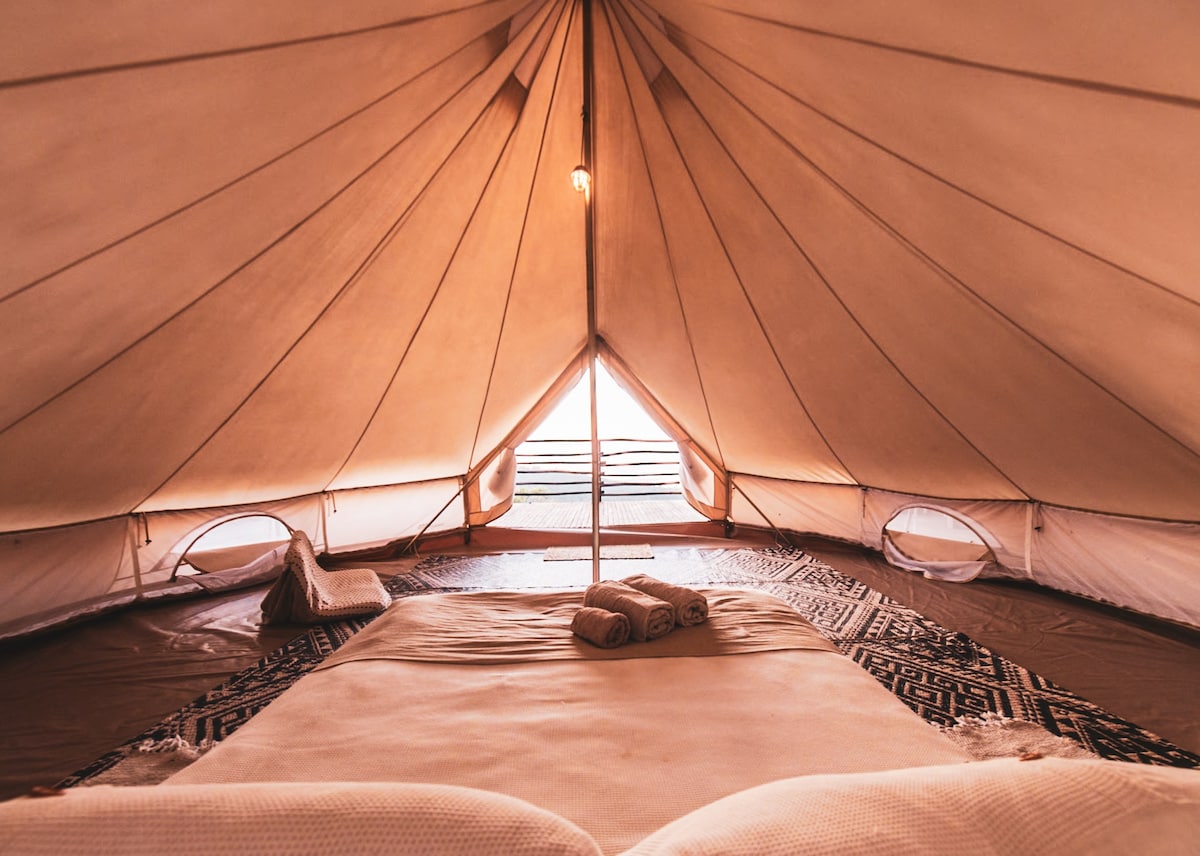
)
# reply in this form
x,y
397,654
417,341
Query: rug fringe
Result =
x,y
989,719
992,735
175,744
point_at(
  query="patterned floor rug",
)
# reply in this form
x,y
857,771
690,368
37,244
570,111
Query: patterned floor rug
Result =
x,y
942,675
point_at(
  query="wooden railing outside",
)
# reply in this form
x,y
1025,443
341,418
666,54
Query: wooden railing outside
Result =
x,y
560,470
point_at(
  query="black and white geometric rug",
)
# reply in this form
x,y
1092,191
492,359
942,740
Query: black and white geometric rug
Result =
x,y
942,675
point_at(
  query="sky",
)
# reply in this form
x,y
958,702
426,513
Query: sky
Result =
x,y
618,414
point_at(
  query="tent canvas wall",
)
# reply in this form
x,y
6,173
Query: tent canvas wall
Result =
x,y
325,261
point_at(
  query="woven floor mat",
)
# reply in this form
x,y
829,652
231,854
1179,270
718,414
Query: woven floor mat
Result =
x,y
607,551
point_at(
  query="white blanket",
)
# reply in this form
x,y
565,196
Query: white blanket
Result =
x,y
483,628
618,747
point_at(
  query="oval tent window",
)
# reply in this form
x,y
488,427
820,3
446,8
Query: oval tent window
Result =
x,y
936,544
233,544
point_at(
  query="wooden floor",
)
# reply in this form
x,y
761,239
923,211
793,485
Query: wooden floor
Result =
x,y
578,515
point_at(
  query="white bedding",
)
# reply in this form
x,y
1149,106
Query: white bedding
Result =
x,y
1006,808
619,747
486,628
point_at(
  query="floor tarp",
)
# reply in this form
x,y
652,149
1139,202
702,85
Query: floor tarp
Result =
x,y
70,696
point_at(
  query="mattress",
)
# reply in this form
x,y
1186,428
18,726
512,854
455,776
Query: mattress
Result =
x,y
618,743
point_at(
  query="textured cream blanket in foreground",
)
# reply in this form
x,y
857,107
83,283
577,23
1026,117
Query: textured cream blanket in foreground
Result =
x,y
518,627
293,819
618,747
1052,806
1008,808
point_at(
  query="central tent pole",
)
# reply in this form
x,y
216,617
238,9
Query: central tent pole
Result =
x,y
589,241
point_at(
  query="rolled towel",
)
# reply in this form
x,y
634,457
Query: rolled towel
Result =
x,y
691,607
649,617
600,627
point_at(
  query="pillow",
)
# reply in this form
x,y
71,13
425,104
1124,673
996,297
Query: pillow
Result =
x,y
1052,805
284,818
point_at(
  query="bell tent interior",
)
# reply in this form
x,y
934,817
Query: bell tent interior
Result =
x,y
333,263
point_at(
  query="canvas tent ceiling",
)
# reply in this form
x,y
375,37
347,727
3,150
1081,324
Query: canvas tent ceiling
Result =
x,y
295,255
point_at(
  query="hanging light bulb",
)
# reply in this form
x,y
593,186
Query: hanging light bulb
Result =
x,y
581,179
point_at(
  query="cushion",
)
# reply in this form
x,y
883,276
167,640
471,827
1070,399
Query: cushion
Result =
x,y
1051,805
286,818
306,592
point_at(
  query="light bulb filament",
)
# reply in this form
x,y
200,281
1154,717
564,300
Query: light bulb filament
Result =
x,y
581,179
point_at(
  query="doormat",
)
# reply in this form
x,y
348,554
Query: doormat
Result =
x,y
607,551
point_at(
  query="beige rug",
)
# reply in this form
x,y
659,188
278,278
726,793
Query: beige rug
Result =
x,y
607,551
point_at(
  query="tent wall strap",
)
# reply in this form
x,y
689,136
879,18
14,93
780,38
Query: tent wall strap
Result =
x,y
1032,524
779,533
135,524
